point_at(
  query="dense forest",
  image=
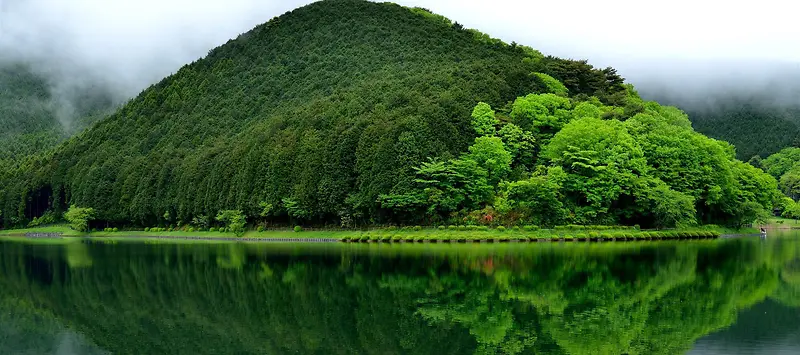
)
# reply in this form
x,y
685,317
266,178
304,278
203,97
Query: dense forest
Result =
x,y
253,299
351,112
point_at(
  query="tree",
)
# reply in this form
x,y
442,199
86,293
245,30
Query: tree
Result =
x,y
790,183
484,120
552,84
521,144
602,163
79,217
756,162
491,154
543,113
537,200
234,221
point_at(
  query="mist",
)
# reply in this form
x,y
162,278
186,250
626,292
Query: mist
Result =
x,y
118,48
687,51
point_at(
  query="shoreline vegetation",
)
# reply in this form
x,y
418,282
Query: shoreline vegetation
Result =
x,y
449,234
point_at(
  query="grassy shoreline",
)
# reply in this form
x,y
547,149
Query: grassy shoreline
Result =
x,y
782,223
389,235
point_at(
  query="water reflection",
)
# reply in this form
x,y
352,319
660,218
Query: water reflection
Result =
x,y
634,298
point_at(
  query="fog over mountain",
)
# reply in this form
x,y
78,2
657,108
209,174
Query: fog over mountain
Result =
x,y
681,51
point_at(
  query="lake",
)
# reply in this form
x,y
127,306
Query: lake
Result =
x,y
729,296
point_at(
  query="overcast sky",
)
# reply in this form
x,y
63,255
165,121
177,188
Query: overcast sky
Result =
x,y
133,43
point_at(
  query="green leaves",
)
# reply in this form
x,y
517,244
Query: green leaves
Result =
x,y
234,221
79,218
484,120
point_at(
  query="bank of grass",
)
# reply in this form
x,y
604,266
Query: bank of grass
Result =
x,y
500,234
450,234
782,223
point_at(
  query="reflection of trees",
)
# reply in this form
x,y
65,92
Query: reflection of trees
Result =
x,y
244,299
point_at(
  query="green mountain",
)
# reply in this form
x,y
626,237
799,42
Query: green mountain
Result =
x,y
352,111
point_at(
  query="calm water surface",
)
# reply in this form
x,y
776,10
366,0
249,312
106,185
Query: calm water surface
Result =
x,y
737,296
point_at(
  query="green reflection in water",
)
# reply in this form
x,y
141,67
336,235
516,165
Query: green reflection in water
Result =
x,y
634,298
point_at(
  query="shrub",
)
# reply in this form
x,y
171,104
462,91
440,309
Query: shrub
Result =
x,y
501,229
483,228
516,228
298,229
234,220
344,239
581,236
637,227
568,237
146,229
619,235
386,238
451,227
212,229
397,238
260,229
605,236
169,230
115,229
364,238
462,227
594,235
441,228
417,228
190,229
504,239
47,218
531,228
409,238
79,218
558,228
555,237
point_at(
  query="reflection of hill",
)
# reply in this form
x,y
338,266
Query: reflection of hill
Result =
x,y
233,299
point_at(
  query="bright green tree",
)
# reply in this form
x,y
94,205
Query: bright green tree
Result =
x,y
484,120
234,220
79,217
552,84
490,153
602,162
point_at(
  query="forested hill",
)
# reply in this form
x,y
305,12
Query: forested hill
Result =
x,y
348,110
32,120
